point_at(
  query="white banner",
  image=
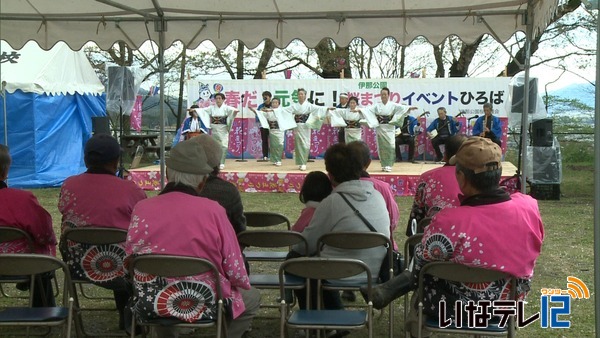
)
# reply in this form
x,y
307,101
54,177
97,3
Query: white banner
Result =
x,y
455,94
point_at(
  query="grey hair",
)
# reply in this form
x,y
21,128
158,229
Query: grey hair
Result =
x,y
193,180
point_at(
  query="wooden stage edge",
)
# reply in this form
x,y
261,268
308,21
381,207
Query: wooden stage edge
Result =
x,y
255,176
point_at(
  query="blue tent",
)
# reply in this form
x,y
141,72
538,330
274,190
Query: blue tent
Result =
x,y
47,104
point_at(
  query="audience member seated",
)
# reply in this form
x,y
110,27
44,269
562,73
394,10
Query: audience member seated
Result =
x,y
333,214
219,190
437,188
20,209
315,188
483,232
99,198
180,222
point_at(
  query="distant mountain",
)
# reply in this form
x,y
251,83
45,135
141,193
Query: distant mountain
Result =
x,y
584,92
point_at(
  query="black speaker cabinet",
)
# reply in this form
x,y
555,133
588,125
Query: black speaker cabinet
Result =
x,y
518,98
541,133
100,125
546,165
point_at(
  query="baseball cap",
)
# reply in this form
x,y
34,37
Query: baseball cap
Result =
x,y
101,148
188,157
212,149
478,154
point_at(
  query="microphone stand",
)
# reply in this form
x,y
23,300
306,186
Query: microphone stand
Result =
x,y
243,147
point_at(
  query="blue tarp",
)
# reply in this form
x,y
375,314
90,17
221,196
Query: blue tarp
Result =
x,y
46,135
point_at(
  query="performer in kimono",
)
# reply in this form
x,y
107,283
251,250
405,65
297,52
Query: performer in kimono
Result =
x,y
488,125
192,126
386,135
302,111
221,117
342,105
276,135
352,116
20,209
98,198
194,226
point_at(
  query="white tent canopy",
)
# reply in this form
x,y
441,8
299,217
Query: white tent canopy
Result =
x,y
43,72
222,21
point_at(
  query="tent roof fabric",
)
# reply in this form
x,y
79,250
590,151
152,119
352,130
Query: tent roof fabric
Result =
x,y
222,21
56,71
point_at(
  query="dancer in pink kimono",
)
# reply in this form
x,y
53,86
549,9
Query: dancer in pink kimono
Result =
x,y
179,222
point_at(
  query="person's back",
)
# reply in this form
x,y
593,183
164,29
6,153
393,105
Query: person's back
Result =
x,y
219,190
194,226
437,188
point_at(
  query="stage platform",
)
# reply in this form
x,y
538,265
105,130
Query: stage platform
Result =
x,y
254,176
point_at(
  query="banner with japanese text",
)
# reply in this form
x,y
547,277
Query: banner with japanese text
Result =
x,y
455,94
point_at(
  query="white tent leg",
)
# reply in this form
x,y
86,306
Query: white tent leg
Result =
x,y
525,113
597,180
161,66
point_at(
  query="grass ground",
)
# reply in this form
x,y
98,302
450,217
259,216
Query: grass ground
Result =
x,y
567,251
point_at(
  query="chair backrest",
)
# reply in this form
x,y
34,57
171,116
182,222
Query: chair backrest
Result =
x,y
33,264
139,152
409,246
9,234
271,238
95,235
320,268
422,224
171,266
265,219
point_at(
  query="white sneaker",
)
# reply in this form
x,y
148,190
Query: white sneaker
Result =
x,y
302,167
278,164
265,158
221,166
387,169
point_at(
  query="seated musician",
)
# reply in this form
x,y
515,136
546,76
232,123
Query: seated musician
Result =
x,y
488,125
440,129
193,126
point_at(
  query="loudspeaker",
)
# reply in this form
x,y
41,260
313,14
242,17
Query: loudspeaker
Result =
x,y
121,84
546,165
100,125
541,133
518,98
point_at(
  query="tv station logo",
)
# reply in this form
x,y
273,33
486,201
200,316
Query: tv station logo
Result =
x,y
555,306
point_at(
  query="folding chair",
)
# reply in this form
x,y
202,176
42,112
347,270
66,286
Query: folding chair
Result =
x,y
33,264
272,239
9,234
464,274
409,250
319,269
353,240
105,259
261,219
151,266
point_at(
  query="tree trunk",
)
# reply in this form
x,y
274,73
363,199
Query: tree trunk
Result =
x,y
333,59
460,67
439,62
240,61
265,57
181,81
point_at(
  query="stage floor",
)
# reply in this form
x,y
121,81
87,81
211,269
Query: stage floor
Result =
x,y
255,176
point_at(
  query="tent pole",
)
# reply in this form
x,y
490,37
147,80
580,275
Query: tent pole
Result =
x,y
525,113
597,177
5,113
161,67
